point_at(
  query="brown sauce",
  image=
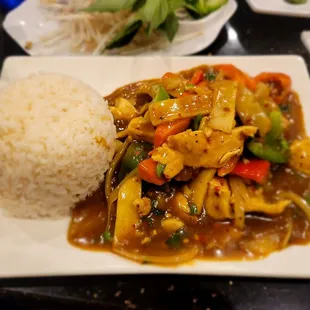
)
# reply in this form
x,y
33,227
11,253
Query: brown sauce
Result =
x,y
220,240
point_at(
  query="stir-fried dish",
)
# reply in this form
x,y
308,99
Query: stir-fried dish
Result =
x,y
210,163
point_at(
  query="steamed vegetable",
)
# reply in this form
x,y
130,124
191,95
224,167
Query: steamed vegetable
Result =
x,y
251,112
233,73
147,172
196,122
161,94
276,131
240,199
197,77
198,188
274,147
127,215
163,131
268,152
136,152
224,105
175,109
279,82
160,168
141,129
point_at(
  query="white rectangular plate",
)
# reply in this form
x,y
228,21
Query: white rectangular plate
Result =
x,y
280,7
40,248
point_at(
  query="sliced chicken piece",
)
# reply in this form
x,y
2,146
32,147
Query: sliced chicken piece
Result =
x,y
254,201
217,201
224,105
141,129
300,155
171,158
123,110
210,151
258,204
198,187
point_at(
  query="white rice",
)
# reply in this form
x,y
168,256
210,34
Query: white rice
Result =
x,y
57,139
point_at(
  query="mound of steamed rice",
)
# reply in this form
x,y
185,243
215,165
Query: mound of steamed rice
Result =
x,y
57,139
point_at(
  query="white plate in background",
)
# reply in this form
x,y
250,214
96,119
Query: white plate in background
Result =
x,y
305,38
40,247
280,7
27,23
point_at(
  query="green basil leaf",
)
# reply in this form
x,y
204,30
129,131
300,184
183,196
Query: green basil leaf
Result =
x,y
160,168
193,12
198,8
175,240
191,1
107,237
110,5
175,4
138,4
210,76
171,26
214,5
196,122
202,7
125,36
154,12
193,209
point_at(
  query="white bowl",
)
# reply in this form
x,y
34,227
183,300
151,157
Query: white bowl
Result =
x,y
201,25
27,23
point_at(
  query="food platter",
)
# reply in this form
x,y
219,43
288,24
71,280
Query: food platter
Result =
x,y
42,244
28,24
280,7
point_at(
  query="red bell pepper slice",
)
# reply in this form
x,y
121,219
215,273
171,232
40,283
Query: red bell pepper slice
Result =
x,y
255,169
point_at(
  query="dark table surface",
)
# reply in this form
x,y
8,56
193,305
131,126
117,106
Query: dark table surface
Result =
x,y
246,33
